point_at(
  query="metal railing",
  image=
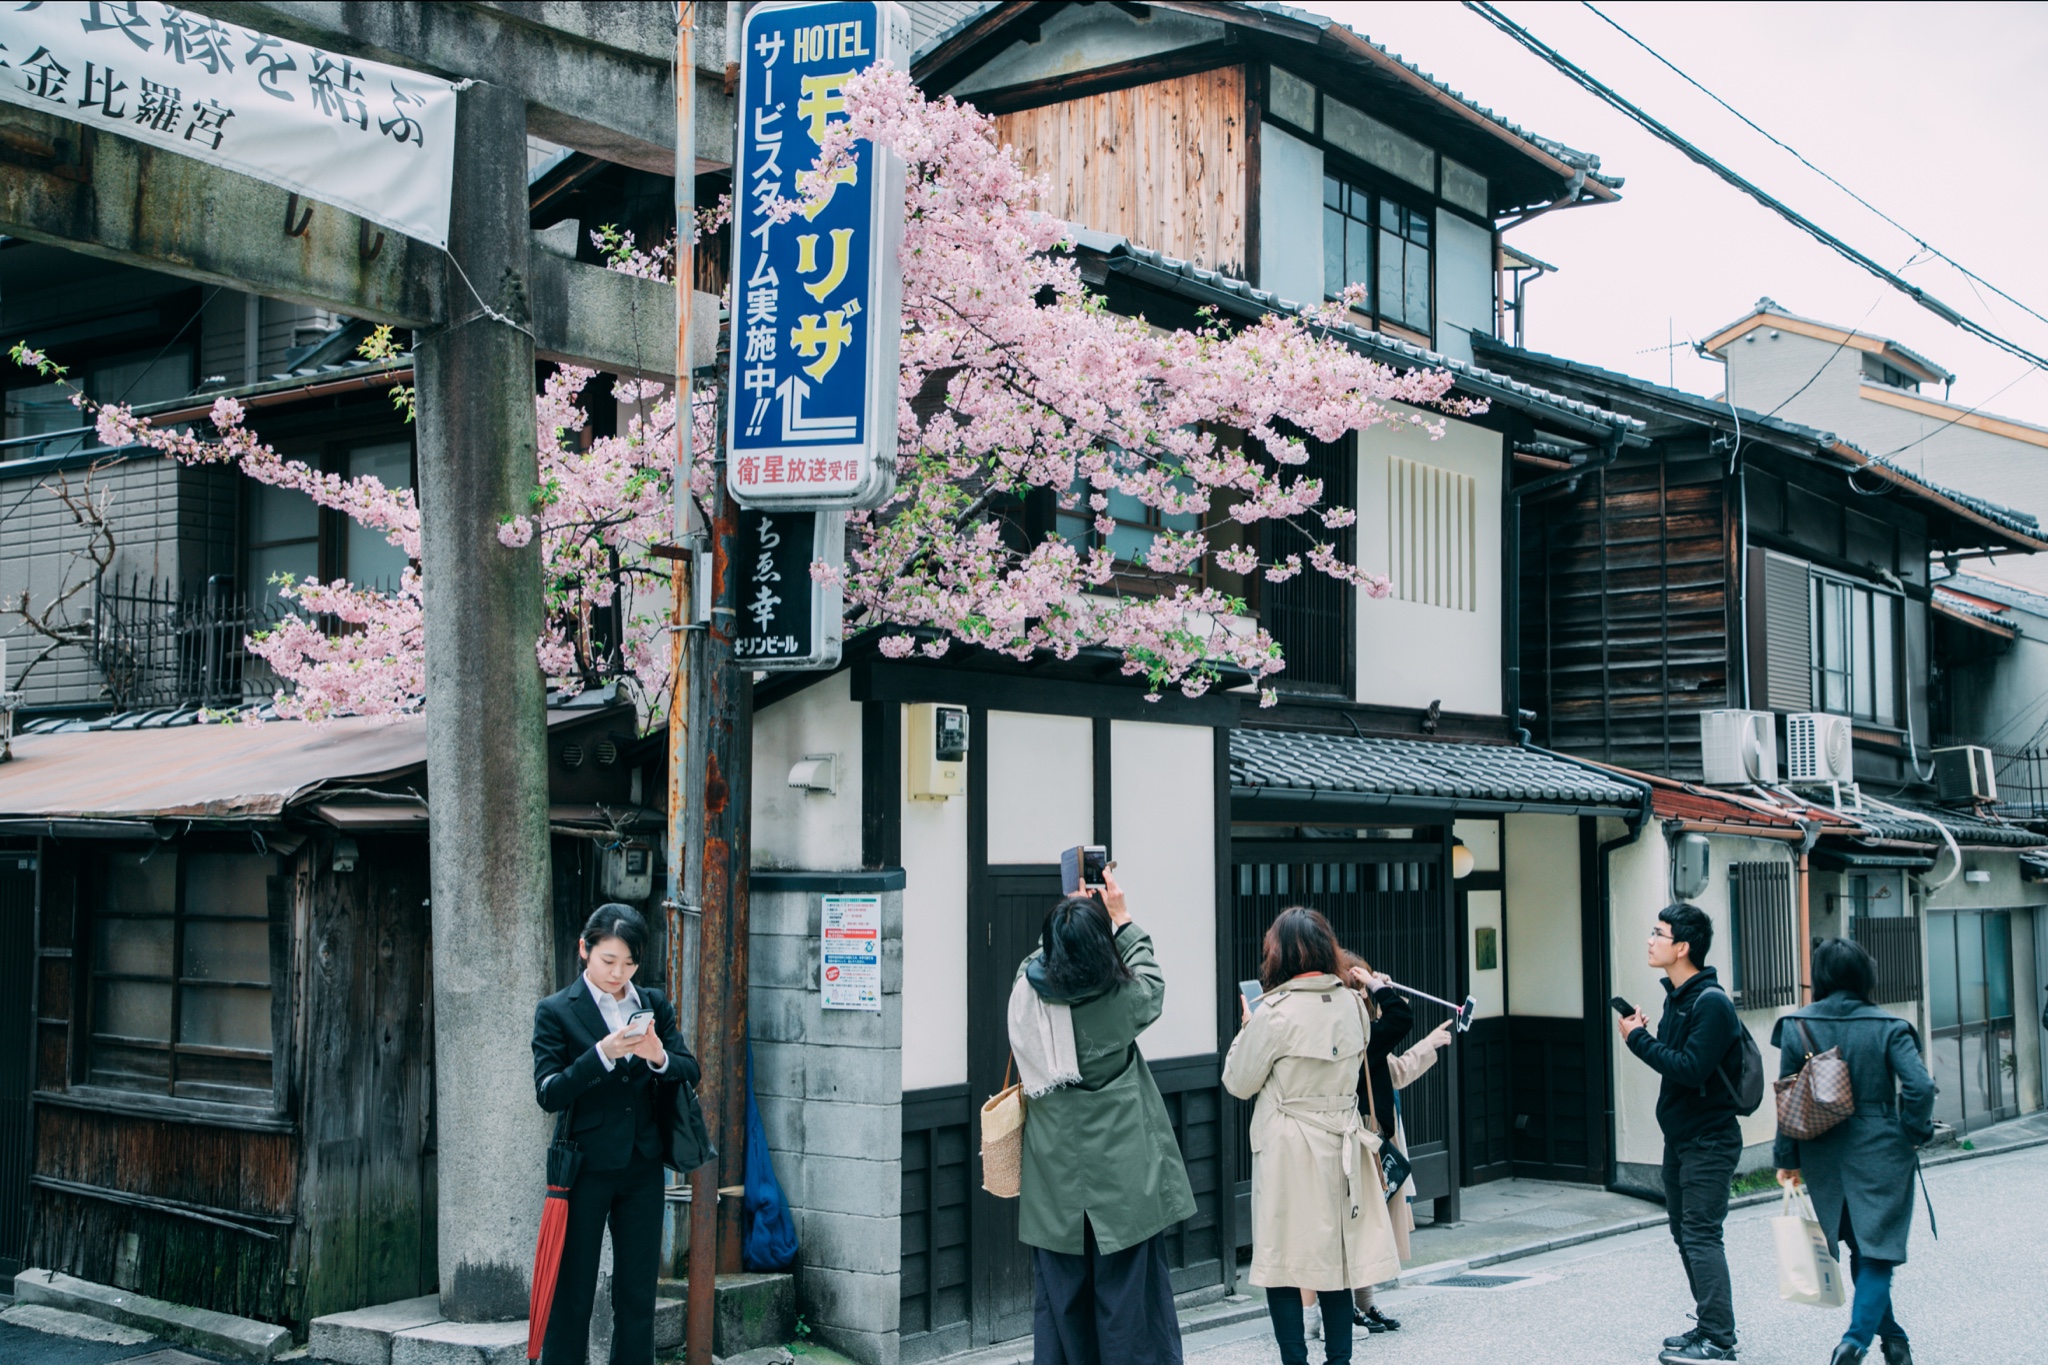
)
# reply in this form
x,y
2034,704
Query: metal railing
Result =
x,y
2022,784
159,646
1766,935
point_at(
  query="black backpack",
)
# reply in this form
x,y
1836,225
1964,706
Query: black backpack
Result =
x,y
1746,1084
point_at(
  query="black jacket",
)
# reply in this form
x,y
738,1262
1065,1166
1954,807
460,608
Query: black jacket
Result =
x,y
1691,1050
616,1113
1396,1021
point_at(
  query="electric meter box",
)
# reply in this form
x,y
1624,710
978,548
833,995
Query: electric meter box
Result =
x,y
938,751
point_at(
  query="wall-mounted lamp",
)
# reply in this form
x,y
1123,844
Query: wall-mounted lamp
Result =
x,y
1461,859
345,854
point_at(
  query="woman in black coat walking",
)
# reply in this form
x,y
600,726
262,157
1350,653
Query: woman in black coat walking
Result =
x,y
1860,1172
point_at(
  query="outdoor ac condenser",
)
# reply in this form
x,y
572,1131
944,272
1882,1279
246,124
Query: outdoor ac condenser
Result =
x,y
1817,748
1965,773
1739,747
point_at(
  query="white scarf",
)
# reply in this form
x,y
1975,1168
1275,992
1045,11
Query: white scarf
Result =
x,y
1042,1041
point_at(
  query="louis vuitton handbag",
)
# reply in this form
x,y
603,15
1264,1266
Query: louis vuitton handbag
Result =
x,y
1816,1097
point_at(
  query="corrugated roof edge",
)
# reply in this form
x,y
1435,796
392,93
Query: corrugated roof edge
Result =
x,y
2006,518
1394,350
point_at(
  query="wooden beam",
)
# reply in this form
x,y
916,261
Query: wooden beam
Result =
x,y
120,200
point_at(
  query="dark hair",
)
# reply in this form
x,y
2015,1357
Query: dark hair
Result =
x,y
1843,964
1690,926
1300,941
622,922
1346,962
1079,943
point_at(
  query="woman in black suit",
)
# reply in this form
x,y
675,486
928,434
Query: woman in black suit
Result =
x,y
610,1079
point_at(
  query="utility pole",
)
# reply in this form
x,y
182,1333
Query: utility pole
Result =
x,y
710,758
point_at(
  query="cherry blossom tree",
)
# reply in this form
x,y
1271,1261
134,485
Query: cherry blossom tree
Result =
x,y
1016,381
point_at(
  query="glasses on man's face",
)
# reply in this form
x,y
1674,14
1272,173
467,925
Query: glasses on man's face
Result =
x,y
1660,932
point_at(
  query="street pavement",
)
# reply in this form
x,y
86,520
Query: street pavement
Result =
x,y
1976,1296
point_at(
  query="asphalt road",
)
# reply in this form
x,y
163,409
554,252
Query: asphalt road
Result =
x,y
1978,1295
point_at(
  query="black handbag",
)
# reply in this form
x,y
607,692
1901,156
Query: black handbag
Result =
x,y
689,1141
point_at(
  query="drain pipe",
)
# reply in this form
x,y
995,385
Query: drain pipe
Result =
x,y
1610,451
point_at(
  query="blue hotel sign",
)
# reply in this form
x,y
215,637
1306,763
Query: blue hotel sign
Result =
x,y
817,300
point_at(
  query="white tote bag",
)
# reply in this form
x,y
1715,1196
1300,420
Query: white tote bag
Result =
x,y
1806,1272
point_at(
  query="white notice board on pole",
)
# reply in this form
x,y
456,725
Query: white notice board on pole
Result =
x,y
850,957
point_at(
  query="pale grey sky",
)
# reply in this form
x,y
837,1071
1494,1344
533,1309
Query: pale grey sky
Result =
x,y
1938,114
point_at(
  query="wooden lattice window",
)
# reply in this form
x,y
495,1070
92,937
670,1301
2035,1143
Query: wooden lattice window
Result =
x,y
1765,954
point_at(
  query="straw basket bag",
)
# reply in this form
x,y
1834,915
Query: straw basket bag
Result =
x,y
1002,1139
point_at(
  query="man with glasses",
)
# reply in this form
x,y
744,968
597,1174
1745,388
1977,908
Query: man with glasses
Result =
x,y
1696,1108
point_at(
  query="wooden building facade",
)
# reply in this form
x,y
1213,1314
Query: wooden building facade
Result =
x,y
227,977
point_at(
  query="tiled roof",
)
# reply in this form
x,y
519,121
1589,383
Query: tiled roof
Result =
x,y
1715,410
2016,597
1421,771
1951,604
1968,828
1585,161
1186,277
1770,307
1322,23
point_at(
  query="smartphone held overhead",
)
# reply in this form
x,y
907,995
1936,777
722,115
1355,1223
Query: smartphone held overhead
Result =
x,y
1082,868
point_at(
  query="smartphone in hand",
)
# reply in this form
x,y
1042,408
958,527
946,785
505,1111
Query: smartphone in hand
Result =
x,y
1621,1007
1081,868
638,1024
1253,993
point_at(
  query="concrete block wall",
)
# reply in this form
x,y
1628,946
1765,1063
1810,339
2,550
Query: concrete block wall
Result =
x,y
829,1084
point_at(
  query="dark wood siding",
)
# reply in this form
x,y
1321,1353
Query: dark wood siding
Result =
x,y
1625,621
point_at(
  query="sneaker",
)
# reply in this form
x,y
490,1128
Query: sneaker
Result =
x,y
1847,1353
1682,1340
1897,1351
1699,1348
1376,1321
1363,1320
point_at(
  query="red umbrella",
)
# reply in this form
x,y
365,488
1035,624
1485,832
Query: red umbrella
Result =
x,y
564,1160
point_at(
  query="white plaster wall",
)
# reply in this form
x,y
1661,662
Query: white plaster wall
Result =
x,y
817,831
1290,216
1163,822
1489,988
1483,838
1412,653
1041,785
1464,284
934,934
1641,886
1083,37
1540,939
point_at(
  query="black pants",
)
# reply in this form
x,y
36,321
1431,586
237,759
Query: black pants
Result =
x,y
1285,1308
1097,1309
630,1200
1696,1175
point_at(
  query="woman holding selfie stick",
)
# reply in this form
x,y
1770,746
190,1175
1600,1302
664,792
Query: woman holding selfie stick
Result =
x,y
1319,1213
602,1051
1102,1172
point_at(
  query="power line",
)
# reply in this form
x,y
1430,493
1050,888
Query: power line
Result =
x,y
1602,90
1796,155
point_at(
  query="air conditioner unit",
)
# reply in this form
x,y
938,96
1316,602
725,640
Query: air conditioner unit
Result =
x,y
1818,749
1739,747
1965,773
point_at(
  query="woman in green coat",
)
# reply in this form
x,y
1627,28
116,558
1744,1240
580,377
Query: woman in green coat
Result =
x,y
1102,1172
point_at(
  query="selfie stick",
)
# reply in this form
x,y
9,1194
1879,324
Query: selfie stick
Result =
x,y
1461,1015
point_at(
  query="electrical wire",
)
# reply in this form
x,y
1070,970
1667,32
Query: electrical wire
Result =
x,y
1595,86
1796,155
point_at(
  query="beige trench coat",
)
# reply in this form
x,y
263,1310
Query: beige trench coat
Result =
x,y
1319,1217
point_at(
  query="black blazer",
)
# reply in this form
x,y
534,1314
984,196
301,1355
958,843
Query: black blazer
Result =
x,y
616,1113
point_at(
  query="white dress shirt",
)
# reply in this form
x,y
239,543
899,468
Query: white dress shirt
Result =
x,y
616,1012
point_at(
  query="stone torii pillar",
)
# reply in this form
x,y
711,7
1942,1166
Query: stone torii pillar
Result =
x,y
486,725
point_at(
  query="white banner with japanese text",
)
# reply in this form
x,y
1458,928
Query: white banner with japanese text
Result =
x,y
376,140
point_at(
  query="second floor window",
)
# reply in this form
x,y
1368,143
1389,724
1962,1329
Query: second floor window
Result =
x,y
288,534
1855,651
1137,524
1373,240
